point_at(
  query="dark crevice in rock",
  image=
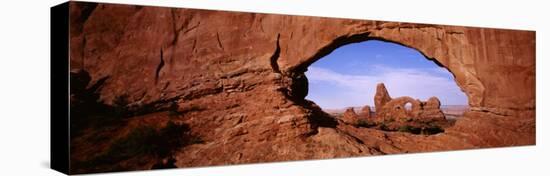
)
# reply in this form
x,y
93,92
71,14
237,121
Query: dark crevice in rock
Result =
x,y
194,45
175,27
299,87
83,53
275,56
178,30
98,85
165,86
191,28
453,32
377,149
318,117
85,13
353,137
219,42
138,7
159,67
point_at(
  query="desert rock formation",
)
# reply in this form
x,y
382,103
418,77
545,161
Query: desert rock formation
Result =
x,y
366,112
381,97
349,116
238,80
395,109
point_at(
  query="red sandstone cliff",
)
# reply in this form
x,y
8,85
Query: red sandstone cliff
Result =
x,y
238,79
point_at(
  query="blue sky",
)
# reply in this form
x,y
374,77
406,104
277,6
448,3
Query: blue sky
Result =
x,y
348,76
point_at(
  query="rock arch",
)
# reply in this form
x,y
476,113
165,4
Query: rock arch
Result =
x,y
464,51
395,109
240,74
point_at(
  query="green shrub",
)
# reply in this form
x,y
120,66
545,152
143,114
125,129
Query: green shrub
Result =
x,y
432,130
364,123
384,127
409,129
390,120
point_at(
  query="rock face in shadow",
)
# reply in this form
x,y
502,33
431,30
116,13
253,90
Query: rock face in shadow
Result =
x,y
237,79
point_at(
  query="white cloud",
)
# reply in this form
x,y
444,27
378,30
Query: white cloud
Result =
x,y
358,90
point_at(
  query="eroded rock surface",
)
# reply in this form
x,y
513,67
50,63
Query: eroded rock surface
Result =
x,y
237,80
381,97
349,116
366,112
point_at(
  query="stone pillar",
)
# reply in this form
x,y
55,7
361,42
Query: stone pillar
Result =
x,y
381,98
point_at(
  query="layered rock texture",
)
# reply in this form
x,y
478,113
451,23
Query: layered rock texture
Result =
x,y
237,80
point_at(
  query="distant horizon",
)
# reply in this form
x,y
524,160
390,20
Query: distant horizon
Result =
x,y
348,76
372,106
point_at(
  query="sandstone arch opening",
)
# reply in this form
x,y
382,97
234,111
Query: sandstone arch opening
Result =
x,y
343,83
408,106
